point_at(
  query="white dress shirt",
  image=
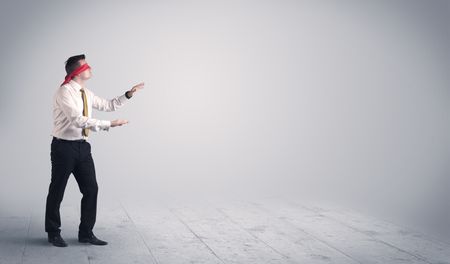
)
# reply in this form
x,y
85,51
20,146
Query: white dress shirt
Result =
x,y
68,119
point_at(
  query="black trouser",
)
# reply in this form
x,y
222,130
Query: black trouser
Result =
x,y
71,157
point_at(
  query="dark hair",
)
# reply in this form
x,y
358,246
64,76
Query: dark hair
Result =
x,y
73,62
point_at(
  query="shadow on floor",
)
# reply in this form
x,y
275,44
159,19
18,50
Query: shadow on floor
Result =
x,y
37,241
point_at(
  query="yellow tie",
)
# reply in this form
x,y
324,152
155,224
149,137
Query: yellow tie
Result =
x,y
85,131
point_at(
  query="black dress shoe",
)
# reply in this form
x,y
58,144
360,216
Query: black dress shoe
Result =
x,y
57,241
93,240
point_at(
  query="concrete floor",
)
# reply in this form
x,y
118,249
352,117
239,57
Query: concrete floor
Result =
x,y
231,232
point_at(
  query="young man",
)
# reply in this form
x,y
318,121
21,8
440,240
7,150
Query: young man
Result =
x,y
70,151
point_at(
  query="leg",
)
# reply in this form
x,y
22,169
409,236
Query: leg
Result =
x,y
62,166
84,173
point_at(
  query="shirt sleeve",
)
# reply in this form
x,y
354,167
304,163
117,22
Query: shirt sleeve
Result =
x,y
108,105
66,102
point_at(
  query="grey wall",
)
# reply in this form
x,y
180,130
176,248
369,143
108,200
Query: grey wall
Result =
x,y
337,99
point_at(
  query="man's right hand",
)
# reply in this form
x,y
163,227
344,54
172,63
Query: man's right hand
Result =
x,y
118,122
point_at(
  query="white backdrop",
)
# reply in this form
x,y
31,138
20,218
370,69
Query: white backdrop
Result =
x,y
340,99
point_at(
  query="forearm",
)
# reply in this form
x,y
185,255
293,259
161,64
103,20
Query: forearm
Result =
x,y
91,123
109,105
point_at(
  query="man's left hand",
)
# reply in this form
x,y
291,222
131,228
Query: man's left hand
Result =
x,y
135,89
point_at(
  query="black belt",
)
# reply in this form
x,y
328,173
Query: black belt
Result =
x,y
76,140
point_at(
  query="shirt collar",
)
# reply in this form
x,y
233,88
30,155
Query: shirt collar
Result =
x,y
75,85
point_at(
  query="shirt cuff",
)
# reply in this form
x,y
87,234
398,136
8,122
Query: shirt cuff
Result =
x,y
106,124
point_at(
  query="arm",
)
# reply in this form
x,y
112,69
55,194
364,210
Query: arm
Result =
x,y
108,105
114,104
66,102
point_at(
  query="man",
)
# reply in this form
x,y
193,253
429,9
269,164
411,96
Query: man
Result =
x,y
70,150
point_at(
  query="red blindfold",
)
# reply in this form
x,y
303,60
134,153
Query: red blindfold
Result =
x,y
77,71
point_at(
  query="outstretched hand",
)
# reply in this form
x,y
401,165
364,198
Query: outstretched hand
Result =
x,y
118,122
135,88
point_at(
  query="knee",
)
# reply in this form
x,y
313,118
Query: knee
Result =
x,y
94,189
91,190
